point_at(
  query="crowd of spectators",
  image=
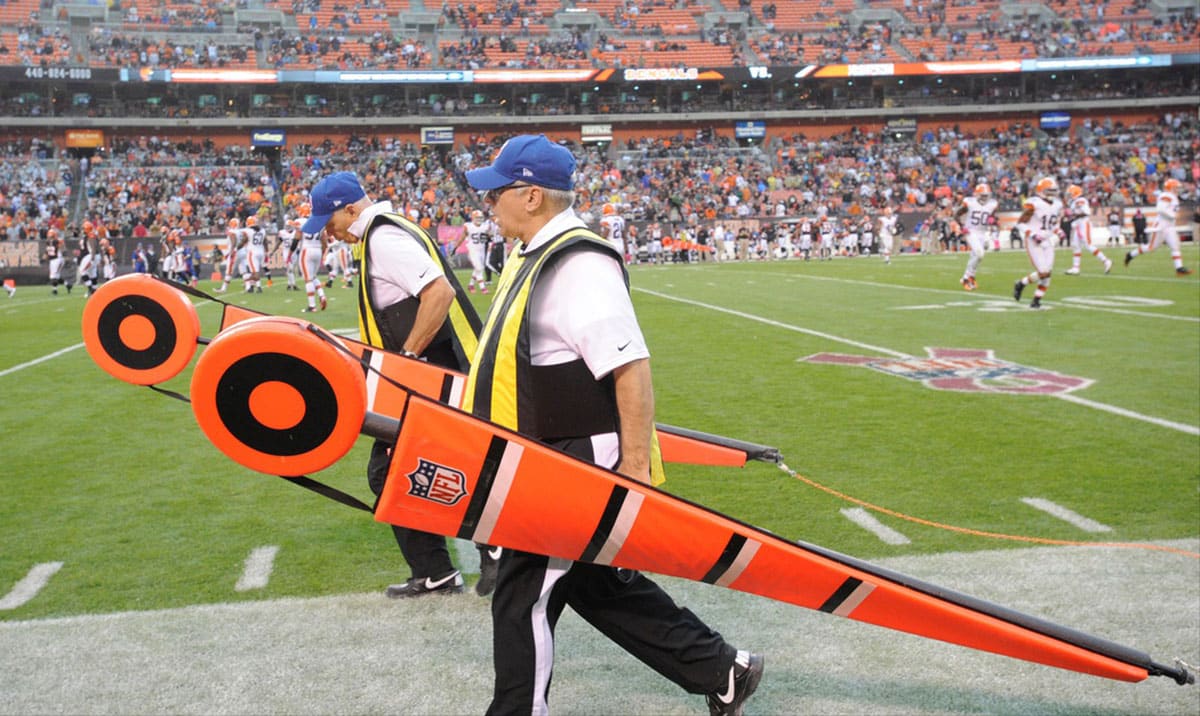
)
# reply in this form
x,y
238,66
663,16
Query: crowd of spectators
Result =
x,y
515,33
148,187
125,49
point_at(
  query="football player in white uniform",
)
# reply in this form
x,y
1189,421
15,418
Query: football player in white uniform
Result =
x,y
312,250
828,234
256,254
337,258
975,215
887,233
54,257
806,238
289,242
1079,214
1041,216
612,227
89,265
235,249
478,235
1164,230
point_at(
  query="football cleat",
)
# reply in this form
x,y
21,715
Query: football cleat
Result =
x,y
1018,287
1036,303
1128,257
744,676
1182,271
324,303
968,283
1073,271
451,583
1107,265
310,309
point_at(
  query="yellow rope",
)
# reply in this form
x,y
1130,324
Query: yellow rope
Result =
x,y
980,533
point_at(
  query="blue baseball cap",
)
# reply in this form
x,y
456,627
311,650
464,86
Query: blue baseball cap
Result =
x,y
528,158
330,194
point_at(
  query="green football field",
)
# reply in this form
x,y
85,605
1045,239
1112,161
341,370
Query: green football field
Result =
x,y
916,419
119,484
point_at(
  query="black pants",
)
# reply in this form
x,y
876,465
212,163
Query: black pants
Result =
x,y
625,606
426,553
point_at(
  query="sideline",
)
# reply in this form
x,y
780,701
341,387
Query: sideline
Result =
x,y
354,653
1161,422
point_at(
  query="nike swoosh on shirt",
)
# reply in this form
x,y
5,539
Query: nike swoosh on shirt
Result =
x,y
495,552
430,584
623,347
422,274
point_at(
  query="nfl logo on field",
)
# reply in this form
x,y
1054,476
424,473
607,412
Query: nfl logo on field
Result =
x,y
437,483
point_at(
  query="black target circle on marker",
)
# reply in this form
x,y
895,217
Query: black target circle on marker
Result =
x,y
161,346
277,398
233,404
140,330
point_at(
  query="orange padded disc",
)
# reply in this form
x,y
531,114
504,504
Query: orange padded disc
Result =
x,y
140,330
277,398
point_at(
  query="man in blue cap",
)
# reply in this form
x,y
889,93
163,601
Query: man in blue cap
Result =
x,y
562,327
409,302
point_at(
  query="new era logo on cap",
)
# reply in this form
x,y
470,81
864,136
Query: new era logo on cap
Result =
x,y
531,158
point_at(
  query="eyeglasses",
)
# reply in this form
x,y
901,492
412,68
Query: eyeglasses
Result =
x,y
491,196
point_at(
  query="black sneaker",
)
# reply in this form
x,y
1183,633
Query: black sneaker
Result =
x,y
1018,287
744,676
489,562
451,583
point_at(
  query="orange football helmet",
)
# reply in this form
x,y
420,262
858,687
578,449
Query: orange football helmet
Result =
x,y
235,223
1074,191
1172,185
983,191
1047,187
252,220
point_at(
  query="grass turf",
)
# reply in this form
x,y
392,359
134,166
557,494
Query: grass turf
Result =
x,y
118,483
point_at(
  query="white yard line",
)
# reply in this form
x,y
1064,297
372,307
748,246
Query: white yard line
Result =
x,y
257,571
1161,422
63,351
776,324
36,361
1006,296
28,588
1069,516
867,521
1181,427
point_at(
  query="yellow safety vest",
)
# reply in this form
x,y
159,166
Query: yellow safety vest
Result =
x,y
499,386
464,322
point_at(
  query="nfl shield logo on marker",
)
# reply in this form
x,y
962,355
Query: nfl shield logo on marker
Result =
x,y
437,483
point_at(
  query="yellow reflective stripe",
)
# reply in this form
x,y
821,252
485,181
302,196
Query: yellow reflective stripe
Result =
x,y
368,331
658,473
503,285
504,372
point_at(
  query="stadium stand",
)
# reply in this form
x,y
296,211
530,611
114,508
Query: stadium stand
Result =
x,y
683,167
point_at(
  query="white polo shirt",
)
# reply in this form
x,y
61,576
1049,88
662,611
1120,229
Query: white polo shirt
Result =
x,y
399,266
581,308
